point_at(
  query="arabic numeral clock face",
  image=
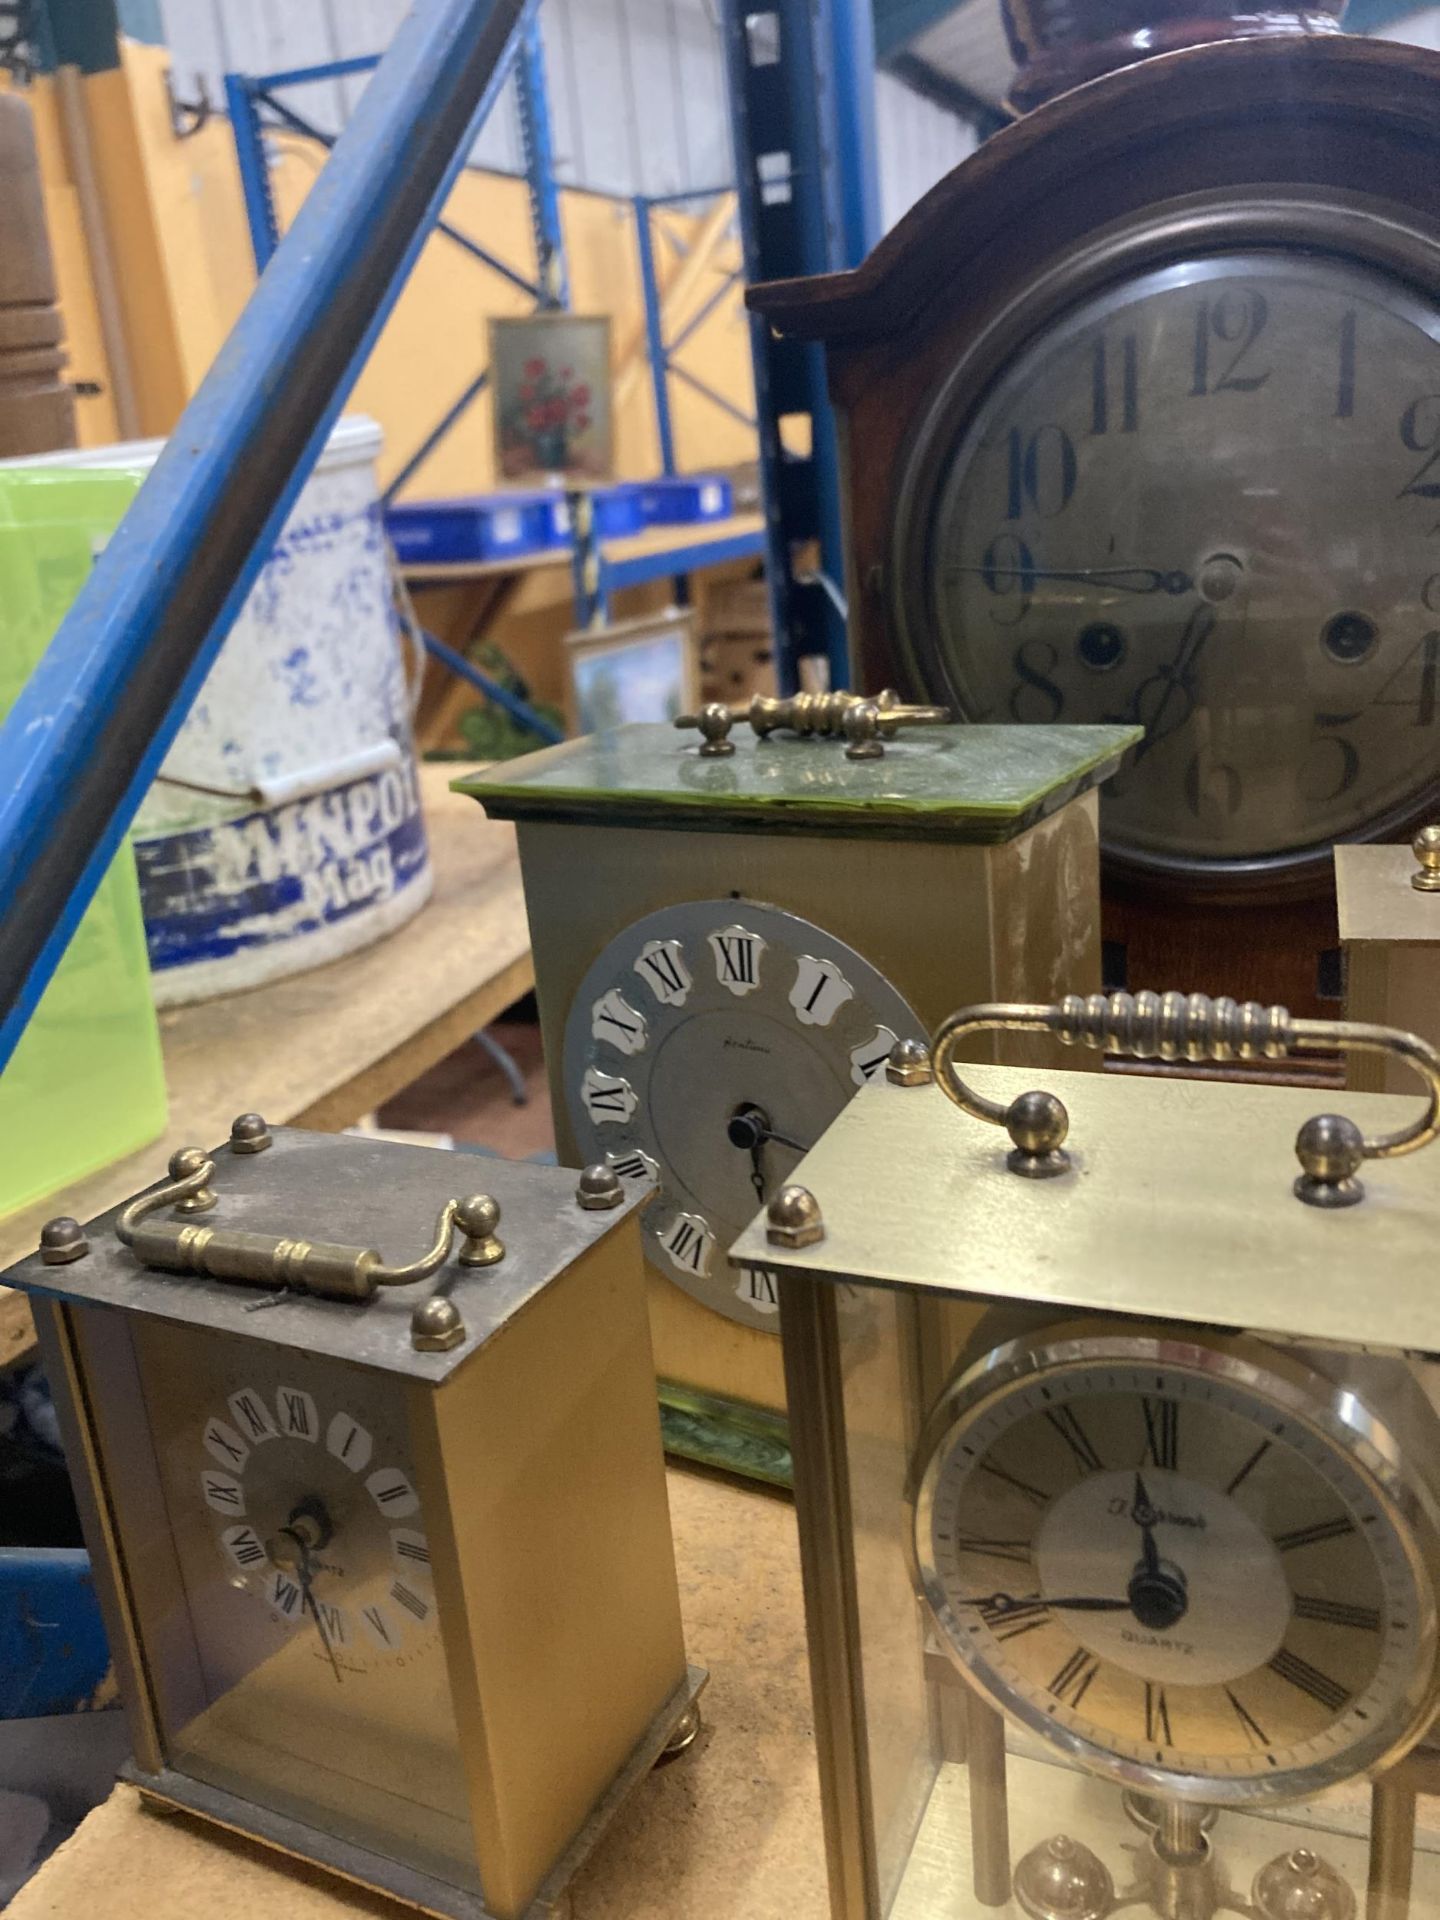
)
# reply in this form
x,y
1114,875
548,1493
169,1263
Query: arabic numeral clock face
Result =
x,y
1187,1569
1206,500
316,1516
708,1047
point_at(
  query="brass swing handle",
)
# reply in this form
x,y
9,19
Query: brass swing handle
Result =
x,y
320,1267
1190,1026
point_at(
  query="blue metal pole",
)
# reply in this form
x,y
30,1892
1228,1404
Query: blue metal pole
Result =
x,y
538,145
655,334
87,735
437,433
250,154
520,711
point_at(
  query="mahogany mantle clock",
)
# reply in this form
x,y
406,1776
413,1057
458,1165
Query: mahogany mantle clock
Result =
x,y
1140,422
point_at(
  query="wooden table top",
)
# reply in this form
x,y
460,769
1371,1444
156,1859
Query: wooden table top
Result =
x,y
322,1048
729,1831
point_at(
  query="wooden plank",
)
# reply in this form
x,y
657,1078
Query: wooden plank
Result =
x,y
323,1048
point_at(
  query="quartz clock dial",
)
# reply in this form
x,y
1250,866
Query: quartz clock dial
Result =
x,y
1189,1568
709,1046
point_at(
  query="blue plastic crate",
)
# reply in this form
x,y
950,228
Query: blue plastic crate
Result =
x,y
686,499
482,526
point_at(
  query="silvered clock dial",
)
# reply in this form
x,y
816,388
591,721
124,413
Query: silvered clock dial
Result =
x,y
1197,1568
1203,498
709,1046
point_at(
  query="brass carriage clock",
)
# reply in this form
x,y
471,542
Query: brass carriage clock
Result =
x,y
731,933
376,1506
1389,906
1118,1476
1140,423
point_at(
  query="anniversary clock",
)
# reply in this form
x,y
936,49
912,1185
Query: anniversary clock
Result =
x,y
1119,1505
376,1506
730,935
1141,423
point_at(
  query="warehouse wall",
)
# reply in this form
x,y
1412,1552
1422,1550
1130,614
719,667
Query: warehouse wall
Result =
x,y
637,89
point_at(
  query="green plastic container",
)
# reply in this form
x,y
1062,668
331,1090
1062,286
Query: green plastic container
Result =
x,y
86,1084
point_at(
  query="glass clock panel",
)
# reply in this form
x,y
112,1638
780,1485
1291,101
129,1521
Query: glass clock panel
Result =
x,y
1117,1594
709,1046
316,1680
1206,501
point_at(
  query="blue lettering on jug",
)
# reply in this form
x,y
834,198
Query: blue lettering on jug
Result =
x,y
280,874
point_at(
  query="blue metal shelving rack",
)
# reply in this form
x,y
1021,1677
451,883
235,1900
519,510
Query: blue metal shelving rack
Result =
x,y
803,127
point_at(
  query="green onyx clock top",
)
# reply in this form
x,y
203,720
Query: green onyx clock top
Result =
x,y
355,1193
1178,1207
981,784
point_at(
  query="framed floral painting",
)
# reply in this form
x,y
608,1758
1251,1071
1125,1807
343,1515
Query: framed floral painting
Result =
x,y
550,383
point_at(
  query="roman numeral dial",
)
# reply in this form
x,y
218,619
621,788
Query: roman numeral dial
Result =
x,y
320,1543
1151,1554
707,1047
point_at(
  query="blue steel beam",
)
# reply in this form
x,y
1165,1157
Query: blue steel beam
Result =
x,y
88,733
307,129
538,145
654,334
255,186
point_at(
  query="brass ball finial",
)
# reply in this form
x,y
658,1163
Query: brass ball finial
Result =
x,y
716,721
598,1189
184,1164
436,1326
909,1064
1426,848
61,1241
477,1218
1037,1122
249,1134
1331,1149
793,1218
860,724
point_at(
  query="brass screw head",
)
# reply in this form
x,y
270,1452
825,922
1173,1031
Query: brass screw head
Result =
x,y
61,1241
436,1326
909,1064
1037,1122
599,1189
715,724
793,1218
249,1134
477,1218
1426,848
1331,1149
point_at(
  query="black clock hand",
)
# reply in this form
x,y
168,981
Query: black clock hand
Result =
x,y
1120,579
749,1128
1143,1514
304,1572
1005,1603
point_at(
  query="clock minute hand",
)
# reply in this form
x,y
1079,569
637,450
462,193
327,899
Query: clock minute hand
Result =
x,y
1119,579
1005,1603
